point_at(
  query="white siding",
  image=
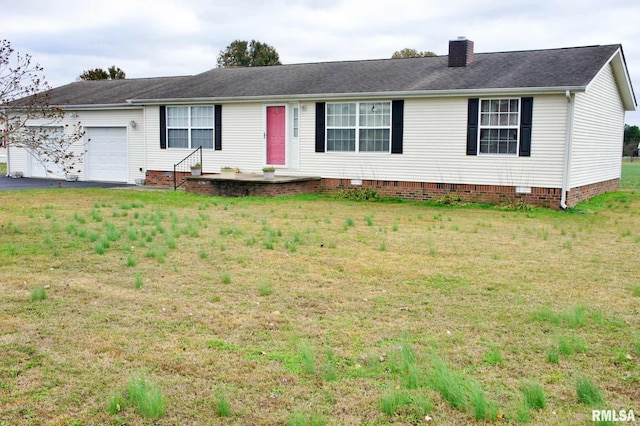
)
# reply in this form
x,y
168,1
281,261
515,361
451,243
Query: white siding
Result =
x,y
19,160
434,149
598,129
242,141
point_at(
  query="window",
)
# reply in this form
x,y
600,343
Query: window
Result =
x,y
367,123
190,127
296,121
499,125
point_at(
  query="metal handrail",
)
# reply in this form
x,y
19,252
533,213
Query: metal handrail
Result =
x,y
185,165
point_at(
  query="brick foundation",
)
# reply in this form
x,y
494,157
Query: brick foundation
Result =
x,y
418,191
253,188
161,178
581,193
425,191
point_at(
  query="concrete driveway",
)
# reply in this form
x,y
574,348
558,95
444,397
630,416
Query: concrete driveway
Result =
x,y
8,184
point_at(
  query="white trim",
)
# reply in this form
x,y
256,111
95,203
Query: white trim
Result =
x,y
330,97
499,127
357,127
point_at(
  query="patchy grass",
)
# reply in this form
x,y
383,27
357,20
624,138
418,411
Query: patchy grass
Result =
x,y
336,320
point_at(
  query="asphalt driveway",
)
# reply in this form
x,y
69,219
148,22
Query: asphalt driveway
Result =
x,y
8,184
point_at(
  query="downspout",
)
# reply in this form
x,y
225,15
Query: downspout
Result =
x,y
144,143
568,140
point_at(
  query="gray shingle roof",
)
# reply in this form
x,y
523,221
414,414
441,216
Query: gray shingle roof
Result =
x,y
550,68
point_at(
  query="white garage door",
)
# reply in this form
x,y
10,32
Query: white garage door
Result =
x,y
107,155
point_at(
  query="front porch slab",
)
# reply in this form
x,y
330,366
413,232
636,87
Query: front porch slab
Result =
x,y
254,185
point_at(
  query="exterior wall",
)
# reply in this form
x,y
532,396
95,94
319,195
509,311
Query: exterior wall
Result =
x,y
434,149
19,158
598,129
242,141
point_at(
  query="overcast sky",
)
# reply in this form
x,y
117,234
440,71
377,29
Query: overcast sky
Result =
x,y
183,37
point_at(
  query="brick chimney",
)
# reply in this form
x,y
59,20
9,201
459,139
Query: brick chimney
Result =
x,y
460,52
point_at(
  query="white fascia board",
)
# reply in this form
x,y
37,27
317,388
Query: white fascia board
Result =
x,y
98,106
368,95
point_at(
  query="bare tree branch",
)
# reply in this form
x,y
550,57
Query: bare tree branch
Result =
x,y
28,120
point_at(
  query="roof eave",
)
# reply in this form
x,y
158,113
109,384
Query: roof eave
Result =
x,y
362,95
623,81
98,106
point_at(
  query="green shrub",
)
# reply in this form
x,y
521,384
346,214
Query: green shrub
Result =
x,y
359,194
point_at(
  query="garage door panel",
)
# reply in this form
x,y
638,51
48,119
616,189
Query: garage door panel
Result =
x,y
107,154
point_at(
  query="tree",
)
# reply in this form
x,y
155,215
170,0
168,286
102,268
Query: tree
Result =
x,y
241,53
28,120
631,141
411,53
112,73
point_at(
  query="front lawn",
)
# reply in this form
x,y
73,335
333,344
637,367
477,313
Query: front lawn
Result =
x,y
121,306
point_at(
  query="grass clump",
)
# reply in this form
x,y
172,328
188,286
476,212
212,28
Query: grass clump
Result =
x,y
223,408
587,392
492,356
308,359
147,396
116,404
534,396
265,289
450,385
225,278
392,400
38,293
301,419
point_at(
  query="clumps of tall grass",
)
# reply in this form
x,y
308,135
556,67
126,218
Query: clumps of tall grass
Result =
x,y
301,419
462,393
492,356
142,394
587,392
223,407
533,396
38,293
575,317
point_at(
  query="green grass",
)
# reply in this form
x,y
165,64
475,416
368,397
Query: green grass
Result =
x,y
534,397
587,392
3,168
38,293
493,292
146,396
223,407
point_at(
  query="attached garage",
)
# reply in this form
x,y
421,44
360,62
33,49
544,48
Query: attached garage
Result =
x,y
106,157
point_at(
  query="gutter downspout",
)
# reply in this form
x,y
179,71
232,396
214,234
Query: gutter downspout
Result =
x,y
568,141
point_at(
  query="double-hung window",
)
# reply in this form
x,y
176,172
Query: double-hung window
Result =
x,y
190,127
359,127
499,126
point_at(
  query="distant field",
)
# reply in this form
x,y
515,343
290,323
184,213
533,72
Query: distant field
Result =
x,y
122,306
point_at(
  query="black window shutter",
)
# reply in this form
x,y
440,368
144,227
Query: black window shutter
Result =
x,y
526,118
217,137
320,130
472,127
397,114
163,127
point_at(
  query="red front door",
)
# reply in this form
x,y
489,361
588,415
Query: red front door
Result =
x,y
276,135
